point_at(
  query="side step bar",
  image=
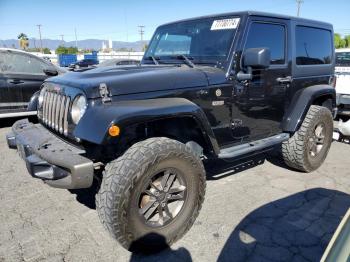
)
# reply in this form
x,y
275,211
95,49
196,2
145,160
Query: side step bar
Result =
x,y
239,150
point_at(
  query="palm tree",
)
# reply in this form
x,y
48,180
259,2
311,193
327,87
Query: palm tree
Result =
x,y
23,41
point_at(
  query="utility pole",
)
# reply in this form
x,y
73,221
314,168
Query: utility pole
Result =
x,y
299,2
76,38
141,31
62,40
41,43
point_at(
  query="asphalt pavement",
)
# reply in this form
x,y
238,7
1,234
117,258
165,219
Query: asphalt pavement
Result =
x,y
259,211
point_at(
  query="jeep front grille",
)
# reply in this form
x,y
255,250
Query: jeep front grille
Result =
x,y
55,111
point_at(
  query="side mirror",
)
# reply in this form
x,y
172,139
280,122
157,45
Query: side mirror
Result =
x,y
50,72
254,58
257,58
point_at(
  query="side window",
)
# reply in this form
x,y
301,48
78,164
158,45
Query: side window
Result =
x,y
313,46
272,36
5,63
11,62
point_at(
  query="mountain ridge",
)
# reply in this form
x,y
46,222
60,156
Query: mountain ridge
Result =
x,y
95,44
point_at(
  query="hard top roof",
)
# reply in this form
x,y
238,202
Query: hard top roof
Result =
x,y
256,13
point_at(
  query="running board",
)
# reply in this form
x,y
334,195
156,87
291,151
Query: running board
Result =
x,y
235,151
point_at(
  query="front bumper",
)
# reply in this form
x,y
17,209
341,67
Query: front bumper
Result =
x,y
50,158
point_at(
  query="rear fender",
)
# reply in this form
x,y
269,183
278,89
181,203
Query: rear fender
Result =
x,y
301,102
94,125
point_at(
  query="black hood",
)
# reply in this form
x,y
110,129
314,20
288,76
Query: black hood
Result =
x,y
139,79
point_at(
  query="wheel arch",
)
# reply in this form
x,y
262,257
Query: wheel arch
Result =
x,y
176,118
322,95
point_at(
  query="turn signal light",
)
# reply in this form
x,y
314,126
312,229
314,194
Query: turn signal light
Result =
x,y
114,130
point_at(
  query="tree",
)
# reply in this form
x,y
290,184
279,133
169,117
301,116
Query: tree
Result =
x,y
144,48
23,41
340,42
66,50
347,40
45,50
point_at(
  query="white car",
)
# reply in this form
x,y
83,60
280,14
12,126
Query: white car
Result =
x,y
342,71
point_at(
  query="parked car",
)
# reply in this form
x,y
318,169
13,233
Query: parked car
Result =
x,y
83,63
118,62
21,75
342,71
338,248
213,88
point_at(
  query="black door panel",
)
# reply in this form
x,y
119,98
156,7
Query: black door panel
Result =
x,y
24,86
259,104
11,94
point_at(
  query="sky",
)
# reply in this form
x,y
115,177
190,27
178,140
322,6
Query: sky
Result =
x,y
119,20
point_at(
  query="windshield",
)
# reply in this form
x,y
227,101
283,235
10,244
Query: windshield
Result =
x,y
202,40
342,59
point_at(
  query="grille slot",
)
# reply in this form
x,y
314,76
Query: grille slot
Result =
x,y
55,111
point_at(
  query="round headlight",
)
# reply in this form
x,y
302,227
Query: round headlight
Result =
x,y
41,97
78,108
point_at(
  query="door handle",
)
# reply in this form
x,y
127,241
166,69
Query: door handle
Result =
x,y
284,80
16,81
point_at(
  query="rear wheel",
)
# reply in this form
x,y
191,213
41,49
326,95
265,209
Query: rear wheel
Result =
x,y
150,196
308,147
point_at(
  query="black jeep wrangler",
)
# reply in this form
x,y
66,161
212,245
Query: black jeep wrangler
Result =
x,y
217,87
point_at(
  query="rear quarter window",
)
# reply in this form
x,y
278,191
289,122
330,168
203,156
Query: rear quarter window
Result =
x,y
313,46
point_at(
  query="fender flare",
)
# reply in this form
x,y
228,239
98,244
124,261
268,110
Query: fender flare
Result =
x,y
94,124
33,102
301,102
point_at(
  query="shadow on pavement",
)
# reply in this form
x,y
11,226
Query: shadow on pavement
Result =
x,y
295,228
8,122
87,196
216,169
148,253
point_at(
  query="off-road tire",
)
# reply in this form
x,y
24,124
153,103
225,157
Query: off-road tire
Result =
x,y
121,180
295,151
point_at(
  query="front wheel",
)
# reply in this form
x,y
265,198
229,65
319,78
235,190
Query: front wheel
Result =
x,y
308,147
151,196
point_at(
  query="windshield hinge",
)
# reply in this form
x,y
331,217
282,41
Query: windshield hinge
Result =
x,y
104,93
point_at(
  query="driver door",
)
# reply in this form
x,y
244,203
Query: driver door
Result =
x,y
259,103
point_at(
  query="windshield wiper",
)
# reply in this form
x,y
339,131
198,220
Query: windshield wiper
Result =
x,y
185,59
153,59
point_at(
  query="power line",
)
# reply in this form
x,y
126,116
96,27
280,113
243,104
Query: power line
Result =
x,y
299,2
141,31
41,42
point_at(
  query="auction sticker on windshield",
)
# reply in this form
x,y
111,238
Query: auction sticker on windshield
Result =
x,y
223,24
